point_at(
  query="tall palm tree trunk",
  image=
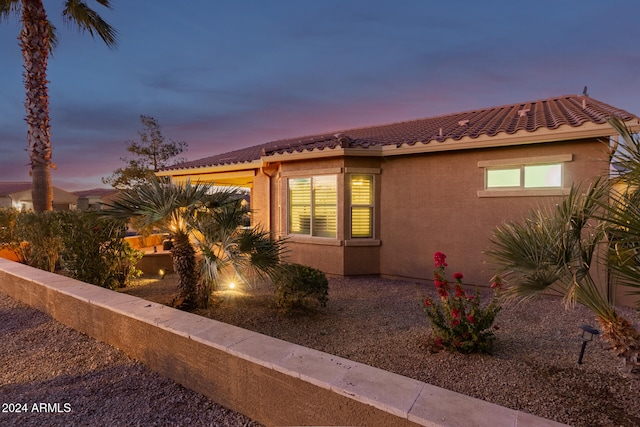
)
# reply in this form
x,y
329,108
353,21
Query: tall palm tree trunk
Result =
x,y
35,44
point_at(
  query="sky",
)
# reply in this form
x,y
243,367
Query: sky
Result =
x,y
223,75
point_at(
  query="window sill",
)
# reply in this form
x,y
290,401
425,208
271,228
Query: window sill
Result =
x,y
362,242
292,238
524,192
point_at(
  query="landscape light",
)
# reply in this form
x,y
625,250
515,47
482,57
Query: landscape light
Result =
x,y
162,273
588,332
232,285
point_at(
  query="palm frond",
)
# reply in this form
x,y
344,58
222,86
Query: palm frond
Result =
x,y
87,19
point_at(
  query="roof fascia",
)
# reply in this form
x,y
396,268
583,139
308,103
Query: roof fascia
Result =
x,y
247,166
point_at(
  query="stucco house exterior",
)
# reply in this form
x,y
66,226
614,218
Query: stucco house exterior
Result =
x,y
18,195
381,200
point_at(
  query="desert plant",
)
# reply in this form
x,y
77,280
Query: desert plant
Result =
x,y
557,249
458,321
42,232
95,251
297,285
8,237
228,247
170,208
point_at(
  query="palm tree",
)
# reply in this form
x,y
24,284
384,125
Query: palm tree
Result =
x,y
173,209
37,39
229,248
193,213
559,248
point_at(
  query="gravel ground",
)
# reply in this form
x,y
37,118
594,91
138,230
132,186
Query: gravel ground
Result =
x,y
380,322
86,382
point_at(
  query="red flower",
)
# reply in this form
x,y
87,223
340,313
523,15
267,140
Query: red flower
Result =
x,y
471,319
438,342
439,259
458,276
456,313
443,293
495,285
460,292
428,302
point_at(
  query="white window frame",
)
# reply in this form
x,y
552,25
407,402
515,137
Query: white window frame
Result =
x,y
521,164
370,206
312,233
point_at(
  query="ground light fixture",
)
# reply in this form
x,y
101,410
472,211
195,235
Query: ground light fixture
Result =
x,y
588,332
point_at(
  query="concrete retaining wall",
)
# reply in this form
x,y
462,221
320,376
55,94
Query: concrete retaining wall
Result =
x,y
270,380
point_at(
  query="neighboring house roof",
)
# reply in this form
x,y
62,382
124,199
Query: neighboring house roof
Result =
x,y
7,188
551,113
96,192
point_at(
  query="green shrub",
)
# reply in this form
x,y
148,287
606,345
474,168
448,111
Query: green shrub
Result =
x,y
8,238
296,285
95,251
43,234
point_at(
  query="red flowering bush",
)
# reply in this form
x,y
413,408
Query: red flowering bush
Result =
x,y
458,321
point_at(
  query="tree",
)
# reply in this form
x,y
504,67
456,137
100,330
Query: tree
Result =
x,y
37,40
558,248
193,213
151,154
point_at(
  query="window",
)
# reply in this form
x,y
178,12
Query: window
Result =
x,y
361,206
525,176
313,206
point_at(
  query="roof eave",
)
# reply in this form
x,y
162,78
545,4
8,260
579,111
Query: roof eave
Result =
x,y
562,133
255,164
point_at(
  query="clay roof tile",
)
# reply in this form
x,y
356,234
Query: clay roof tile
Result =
x,y
550,113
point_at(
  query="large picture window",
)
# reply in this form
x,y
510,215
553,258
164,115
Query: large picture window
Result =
x,y
313,206
361,206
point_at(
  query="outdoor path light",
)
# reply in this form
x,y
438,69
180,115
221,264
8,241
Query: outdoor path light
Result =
x,y
588,332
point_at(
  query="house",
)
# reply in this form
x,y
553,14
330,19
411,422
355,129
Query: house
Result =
x,y
18,195
94,199
381,200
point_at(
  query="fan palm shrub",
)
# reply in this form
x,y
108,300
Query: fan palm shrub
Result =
x,y
561,248
202,222
230,250
171,208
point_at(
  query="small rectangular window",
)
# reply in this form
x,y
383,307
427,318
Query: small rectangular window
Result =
x,y
503,178
361,206
525,176
542,176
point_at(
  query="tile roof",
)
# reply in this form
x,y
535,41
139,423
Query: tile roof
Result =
x,y
550,113
7,188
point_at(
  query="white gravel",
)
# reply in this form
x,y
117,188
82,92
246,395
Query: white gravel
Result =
x,y
56,376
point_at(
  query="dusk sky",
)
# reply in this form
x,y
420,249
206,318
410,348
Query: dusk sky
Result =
x,y
223,75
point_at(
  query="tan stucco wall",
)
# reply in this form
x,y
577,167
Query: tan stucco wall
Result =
x,y
424,203
430,203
